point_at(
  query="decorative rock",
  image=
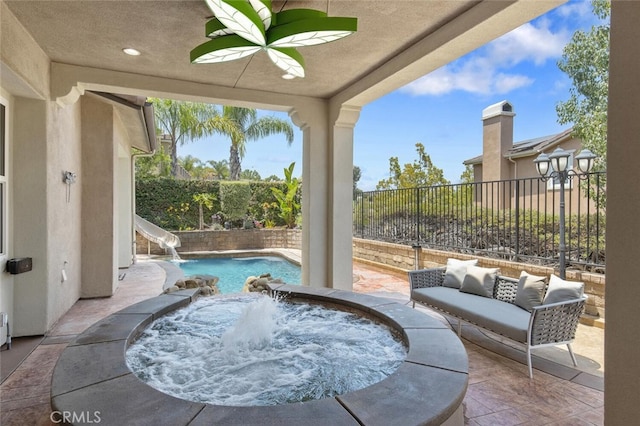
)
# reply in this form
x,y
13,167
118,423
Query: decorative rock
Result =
x,y
246,288
180,284
207,279
191,283
172,289
259,284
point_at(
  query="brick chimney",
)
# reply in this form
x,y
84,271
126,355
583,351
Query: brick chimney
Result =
x,y
497,139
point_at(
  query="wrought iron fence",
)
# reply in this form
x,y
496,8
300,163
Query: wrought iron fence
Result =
x,y
511,219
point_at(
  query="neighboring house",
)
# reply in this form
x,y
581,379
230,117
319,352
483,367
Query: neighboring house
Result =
x,y
503,161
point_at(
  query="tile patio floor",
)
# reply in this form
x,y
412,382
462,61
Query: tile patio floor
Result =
x,y
499,393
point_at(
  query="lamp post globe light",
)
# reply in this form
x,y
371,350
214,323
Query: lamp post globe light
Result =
x,y
554,166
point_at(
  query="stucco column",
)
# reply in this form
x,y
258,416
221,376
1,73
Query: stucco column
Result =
x,y
327,192
622,334
99,200
312,120
344,119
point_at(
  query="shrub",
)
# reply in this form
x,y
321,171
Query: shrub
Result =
x,y
163,201
235,197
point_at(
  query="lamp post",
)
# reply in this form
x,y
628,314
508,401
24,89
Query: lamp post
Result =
x,y
554,166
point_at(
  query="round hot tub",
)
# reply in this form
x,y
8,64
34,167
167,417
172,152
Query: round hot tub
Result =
x,y
427,387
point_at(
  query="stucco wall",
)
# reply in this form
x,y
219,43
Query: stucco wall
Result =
x,y
622,351
42,143
46,221
25,66
64,207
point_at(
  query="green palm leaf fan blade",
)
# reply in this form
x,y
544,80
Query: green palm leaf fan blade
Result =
x,y
309,32
263,9
223,49
214,28
241,18
288,60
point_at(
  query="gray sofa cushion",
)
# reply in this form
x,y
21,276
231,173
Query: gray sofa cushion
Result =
x,y
502,317
530,291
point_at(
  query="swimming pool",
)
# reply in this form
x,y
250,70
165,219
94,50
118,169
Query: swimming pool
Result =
x,y
233,271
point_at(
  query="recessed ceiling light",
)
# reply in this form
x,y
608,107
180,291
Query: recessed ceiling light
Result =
x,y
288,76
131,51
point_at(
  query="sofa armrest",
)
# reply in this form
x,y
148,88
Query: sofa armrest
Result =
x,y
555,322
432,277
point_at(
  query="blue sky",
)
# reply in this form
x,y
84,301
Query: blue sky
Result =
x,y
442,110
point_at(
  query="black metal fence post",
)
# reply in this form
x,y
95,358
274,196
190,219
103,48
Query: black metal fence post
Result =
x,y
418,215
517,226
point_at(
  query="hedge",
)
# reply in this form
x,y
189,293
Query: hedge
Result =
x,y
169,203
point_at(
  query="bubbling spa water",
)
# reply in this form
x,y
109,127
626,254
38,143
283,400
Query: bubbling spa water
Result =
x,y
251,350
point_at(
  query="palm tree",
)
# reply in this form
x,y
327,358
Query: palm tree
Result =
x,y
249,127
187,121
220,168
190,163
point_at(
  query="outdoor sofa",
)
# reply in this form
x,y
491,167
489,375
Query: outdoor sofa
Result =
x,y
527,310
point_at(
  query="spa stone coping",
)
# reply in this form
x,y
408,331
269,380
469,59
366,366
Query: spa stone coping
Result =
x,y
91,375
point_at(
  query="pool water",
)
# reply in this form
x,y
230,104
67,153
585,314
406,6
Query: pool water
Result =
x,y
233,272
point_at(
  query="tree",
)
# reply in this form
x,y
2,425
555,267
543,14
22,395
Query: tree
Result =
x,y
585,59
220,168
250,175
204,200
421,172
287,200
467,174
152,166
246,126
357,174
187,121
192,165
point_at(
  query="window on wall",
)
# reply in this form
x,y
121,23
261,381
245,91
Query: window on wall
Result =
x,y
3,177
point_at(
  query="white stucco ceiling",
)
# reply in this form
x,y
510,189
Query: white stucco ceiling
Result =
x,y
396,41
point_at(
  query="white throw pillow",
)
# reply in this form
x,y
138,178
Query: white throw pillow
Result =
x,y
455,272
561,290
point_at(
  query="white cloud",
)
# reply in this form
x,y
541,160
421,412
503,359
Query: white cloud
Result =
x,y
489,70
528,43
581,9
505,83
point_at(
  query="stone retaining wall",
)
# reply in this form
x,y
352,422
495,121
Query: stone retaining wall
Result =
x,y
237,239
